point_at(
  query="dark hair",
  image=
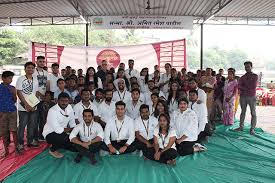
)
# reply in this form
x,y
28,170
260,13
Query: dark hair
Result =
x,y
87,79
63,95
55,64
120,103
85,90
168,122
100,90
40,57
60,79
6,74
68,67
168,64
143,106
126,81
146,78
231,71
249,63
183,99
194,91
131,60
108,91
192,79
155,94
88,110
166,110
171,92
28,63
135,89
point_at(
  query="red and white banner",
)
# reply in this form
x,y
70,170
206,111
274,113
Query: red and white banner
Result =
x,y
145,55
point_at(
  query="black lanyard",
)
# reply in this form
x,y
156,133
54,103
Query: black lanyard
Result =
x,y
39,73
84,107
89,129
120,96
118,130
163,139
147,129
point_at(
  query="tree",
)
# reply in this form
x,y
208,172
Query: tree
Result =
x,y
10,46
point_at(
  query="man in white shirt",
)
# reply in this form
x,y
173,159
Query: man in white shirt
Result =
x,y
132,106
144,127
119,132
99,97
60,122
107,108
90,137
185,122
164,79
54,76
131,72
85,103
201,111
121,94
193,85
151,88
26,86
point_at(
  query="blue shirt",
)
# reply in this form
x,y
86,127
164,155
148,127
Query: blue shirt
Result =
x,y
7,104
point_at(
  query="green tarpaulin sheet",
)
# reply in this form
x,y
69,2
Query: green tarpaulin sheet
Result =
x,y
231,157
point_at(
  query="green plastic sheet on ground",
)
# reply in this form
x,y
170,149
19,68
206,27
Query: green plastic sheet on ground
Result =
x,y
231,157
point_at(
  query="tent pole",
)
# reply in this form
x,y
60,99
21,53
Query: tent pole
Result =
x,y
201,51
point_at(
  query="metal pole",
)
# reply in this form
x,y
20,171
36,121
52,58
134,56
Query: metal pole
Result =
x,y
201,54
87,35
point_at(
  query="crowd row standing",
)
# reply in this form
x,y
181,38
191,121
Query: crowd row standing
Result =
x,y
162,115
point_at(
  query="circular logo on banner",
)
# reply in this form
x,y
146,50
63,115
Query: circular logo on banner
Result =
x,y
111,56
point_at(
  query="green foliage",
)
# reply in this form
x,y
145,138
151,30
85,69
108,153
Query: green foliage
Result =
x,y
10,46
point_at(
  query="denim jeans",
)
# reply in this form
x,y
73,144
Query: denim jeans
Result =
x,y
28,119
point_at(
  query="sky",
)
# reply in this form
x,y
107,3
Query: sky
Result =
x,y
256,41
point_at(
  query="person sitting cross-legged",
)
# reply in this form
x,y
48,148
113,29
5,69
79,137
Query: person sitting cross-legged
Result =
x,y
119,132
90,137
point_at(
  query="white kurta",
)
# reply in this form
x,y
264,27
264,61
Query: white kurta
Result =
x,y
164,78
186,123
116,130
87,133
146,127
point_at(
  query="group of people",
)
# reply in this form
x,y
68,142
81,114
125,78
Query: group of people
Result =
x,y
160,115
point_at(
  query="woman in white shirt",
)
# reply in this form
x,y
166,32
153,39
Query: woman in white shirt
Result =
x,y
92,77
90,137
161,108
185,122
164,150
173,97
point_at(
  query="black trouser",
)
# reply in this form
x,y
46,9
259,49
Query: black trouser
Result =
x,y
59,141
93,148
169,154
41,120
141,146
208,131
185,148
118,145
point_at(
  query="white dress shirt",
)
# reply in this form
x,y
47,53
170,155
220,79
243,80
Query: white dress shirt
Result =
x,y
79,108
116,130
53,82
106,111
146,127
124,96
173,105
132,73
201,111
58,119
163,140
87,133
186,123
133,110
97,103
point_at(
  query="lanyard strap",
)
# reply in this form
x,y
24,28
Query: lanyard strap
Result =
x,y
163,139
118,130
120,96
39,72
84,107
89,129
147,129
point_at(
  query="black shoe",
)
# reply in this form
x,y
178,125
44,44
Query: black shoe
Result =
x,y
34,144
78,158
